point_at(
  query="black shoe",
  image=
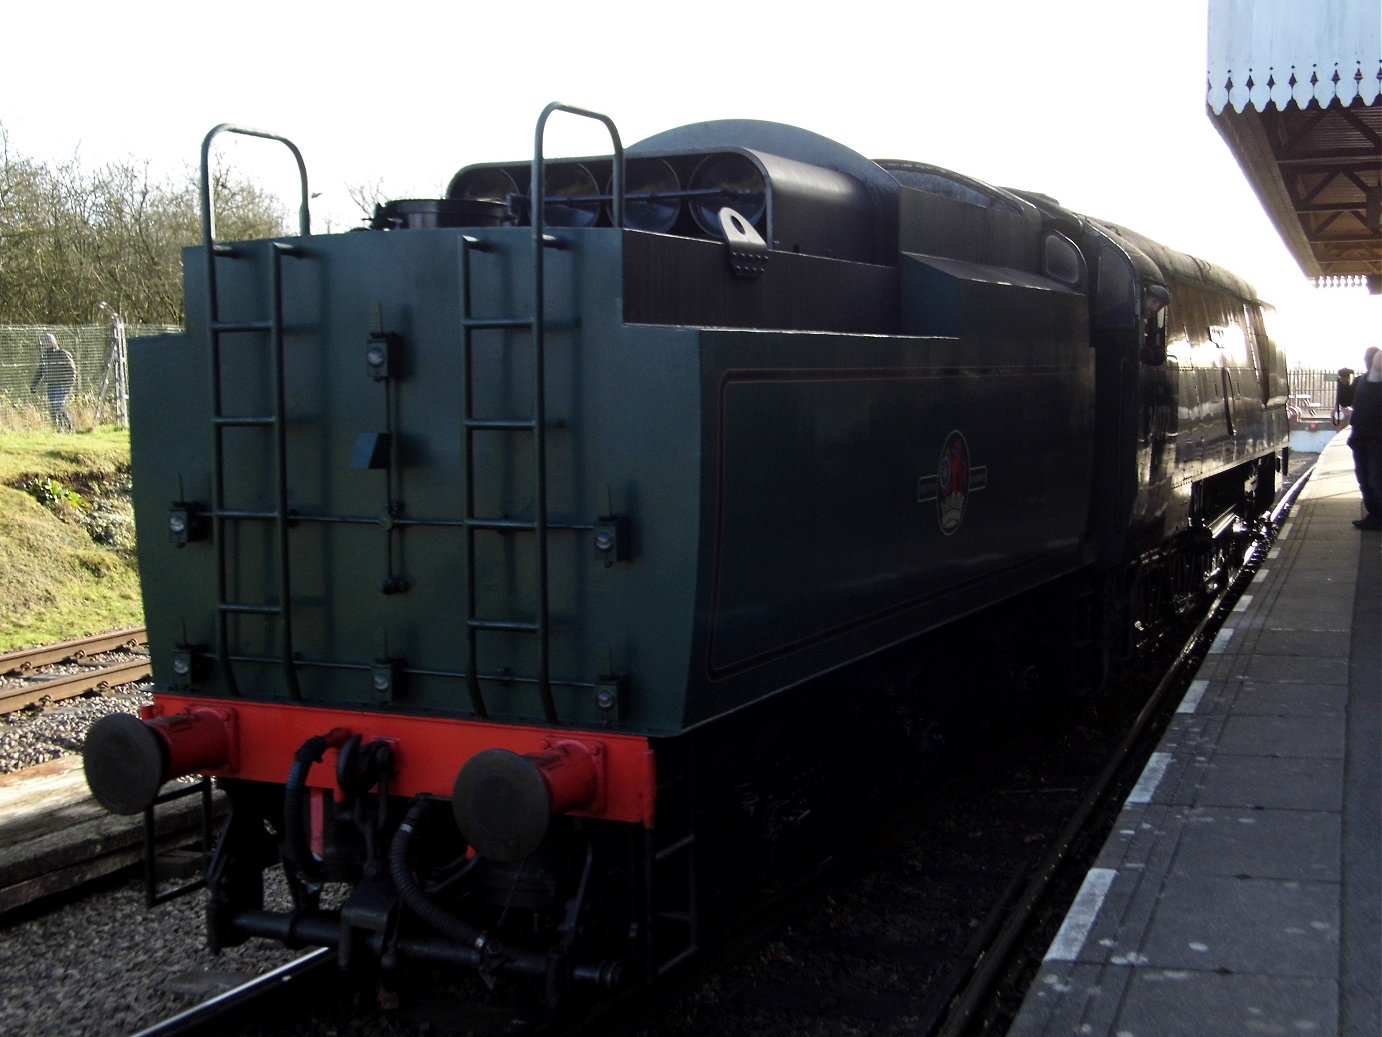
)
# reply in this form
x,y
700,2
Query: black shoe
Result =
x,y
1368,523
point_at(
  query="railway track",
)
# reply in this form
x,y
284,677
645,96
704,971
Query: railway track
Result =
x,y
808,968
1003,947
982,1001
30,684
857,956
54,839
962,991
248,1000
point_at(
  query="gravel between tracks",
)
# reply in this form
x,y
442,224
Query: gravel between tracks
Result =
x,y
99,963
103,965
38,734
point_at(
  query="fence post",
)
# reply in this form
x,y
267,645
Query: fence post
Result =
x,y
117,369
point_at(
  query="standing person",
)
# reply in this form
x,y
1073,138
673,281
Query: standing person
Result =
x,y
1366,439
1343,397
59,370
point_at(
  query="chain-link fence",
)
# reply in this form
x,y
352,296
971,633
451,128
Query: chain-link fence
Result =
x,y
101,392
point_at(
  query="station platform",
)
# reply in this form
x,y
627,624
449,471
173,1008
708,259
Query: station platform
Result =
x,y
1240,891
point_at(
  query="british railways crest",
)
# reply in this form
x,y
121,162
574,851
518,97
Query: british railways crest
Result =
x,y
955,479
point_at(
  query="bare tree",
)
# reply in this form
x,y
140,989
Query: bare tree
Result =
x,y
71,239
367,197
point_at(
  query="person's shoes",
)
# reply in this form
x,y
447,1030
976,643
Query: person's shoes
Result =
x,y
1368,523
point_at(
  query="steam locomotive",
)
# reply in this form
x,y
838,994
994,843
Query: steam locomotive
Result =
x,y
463,534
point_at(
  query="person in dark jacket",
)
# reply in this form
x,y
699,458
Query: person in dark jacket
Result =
x,y
57,368
1365,438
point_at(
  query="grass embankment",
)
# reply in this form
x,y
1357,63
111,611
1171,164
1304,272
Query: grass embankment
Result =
x,y
67,566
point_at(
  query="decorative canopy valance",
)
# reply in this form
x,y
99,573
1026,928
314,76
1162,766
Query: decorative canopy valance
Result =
x,y
1295,90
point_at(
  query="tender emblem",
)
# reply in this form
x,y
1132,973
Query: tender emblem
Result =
x,y
955,479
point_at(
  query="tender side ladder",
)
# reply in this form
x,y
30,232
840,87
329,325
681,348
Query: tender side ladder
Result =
x,y
270,332
221,515
533,426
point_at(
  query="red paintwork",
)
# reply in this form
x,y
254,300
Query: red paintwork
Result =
x,y
428,751
572,772
196,739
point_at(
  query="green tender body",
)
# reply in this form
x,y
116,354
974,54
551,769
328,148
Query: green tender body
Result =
x,y
775,491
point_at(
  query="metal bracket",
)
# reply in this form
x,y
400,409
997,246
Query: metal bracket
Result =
x,y
371,908
611,539
748,252
152,895
372,450
189,665
387,680
188,522
612,696
384,354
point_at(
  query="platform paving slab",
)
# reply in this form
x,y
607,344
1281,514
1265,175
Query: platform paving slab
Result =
x,y
1240,891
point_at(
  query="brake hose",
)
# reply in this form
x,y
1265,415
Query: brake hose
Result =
x,y
297,847
411,891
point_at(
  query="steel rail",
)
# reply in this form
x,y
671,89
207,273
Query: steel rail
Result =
x,y
96,676
72,685
974,985
210,1015
26,659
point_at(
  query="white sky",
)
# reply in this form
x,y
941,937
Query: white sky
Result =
x,y
1099,103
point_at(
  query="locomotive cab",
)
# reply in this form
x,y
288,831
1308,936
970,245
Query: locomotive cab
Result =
x,y
1155,300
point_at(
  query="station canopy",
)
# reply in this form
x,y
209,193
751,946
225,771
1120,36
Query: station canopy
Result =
x,y
1295,90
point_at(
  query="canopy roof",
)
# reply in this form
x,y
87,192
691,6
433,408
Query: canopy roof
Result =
x,y
1295,90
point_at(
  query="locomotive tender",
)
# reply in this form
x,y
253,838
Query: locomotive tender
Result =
x,y
457,531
